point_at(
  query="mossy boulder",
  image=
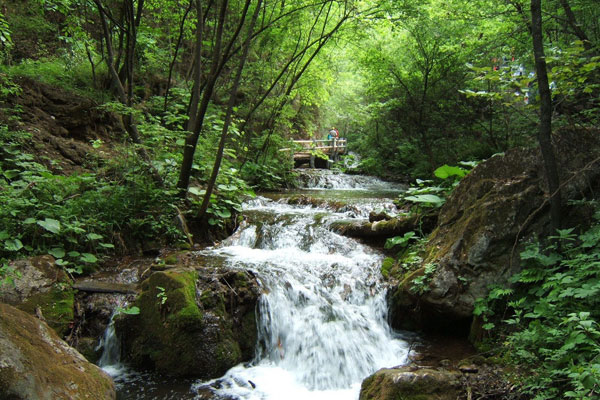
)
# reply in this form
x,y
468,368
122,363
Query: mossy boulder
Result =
x,y
44,289
408,383
484,224
191,323
36,364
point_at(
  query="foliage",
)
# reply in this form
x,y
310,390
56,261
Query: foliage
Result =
x,y
423,195
553,315
78,219
420,284
6,42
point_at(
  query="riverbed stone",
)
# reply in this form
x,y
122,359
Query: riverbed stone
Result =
x,y
483,226
42,288
193,322
36,364
409,383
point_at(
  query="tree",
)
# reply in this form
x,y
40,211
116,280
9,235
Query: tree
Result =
x,y
545,128
229,115
128,27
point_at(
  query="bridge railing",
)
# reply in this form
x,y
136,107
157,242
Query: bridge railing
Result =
x,y
325,145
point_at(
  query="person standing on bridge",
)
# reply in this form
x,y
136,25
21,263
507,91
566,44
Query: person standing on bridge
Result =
x,y
334,133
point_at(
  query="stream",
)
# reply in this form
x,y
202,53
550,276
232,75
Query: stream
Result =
x,y
322,319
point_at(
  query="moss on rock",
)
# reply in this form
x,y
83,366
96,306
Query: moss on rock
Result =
x,y
190,324
407,383
168,322
36,364
56,306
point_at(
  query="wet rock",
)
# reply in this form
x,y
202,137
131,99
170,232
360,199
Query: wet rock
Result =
x,y
384,228
500,203
409,383
192,322
36,364
104,287
44,289
380,215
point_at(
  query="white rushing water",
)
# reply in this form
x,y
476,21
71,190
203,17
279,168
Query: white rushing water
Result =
x,y
327,179
322,319
323,316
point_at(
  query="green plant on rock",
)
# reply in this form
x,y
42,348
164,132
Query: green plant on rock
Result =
x,y
7,274
424,194
161,295
420,284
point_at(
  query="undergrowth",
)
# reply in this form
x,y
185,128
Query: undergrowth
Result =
x,y
548,321
78,219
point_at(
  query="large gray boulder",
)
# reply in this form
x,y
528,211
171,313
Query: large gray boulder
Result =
x,y
484,225
36,364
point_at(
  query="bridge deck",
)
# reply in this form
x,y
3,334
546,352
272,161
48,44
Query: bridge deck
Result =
x,y
308,150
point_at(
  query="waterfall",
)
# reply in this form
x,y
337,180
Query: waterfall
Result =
x,y
323,316
110,360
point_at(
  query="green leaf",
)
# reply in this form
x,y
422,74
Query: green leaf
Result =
x,y
224,213
11,173
399,240
57,252
73,254
13,245
425,198
94,236
129,311
4,235
446,171
88,258
50,224
196,191
29,221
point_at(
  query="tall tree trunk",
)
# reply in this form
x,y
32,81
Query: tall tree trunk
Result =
x,y
192,139
219,60
233,95
197,70
575,26
545,128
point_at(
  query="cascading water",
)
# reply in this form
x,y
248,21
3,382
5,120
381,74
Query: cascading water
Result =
x,y
110,360
322,318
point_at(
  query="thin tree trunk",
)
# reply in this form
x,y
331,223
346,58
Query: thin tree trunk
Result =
x,y
197,70
575,26
192,139
177,46
545,128
130,124
217,165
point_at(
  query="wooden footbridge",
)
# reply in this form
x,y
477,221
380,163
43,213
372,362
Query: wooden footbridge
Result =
x,y
318,153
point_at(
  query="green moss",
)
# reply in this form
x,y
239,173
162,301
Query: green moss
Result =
x,y
56,306
386,266
241,279
169,323
171,259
